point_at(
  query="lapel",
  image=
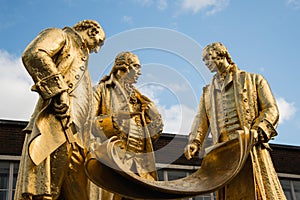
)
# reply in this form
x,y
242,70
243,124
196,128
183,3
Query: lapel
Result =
x,y
211,108
239,84
228,79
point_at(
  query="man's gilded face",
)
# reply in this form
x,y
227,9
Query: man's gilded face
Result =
x,y
209,57
95,40
134,70
214,62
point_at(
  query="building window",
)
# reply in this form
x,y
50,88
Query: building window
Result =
x,y
8,178
210,196
290,183
9,166
291,188
296,185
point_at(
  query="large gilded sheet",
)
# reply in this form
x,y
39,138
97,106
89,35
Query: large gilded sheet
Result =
x,y
221,163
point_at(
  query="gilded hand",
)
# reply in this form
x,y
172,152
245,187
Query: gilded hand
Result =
x,y
190,150
61,104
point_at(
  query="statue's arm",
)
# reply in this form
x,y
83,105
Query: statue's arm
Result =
x,y
268,117
39,60
199,130
97,97
154,121
104,124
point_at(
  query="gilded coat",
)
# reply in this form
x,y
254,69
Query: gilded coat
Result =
x,y
256,107
109,100
57,61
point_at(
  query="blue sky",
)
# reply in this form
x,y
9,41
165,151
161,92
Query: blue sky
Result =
x,y
168,36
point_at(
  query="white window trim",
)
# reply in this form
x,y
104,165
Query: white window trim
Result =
x,y
10,158
290,176
173,166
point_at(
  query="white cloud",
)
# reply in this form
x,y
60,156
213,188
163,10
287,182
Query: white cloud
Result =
x,y
211,6
144,2
177,119
127,19
262,69
293,3
162,4
159,4
287,110
17,101
177,87
151,92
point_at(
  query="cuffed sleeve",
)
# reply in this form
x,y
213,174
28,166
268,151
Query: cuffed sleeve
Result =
x,y
200,124
269,114
50,86
39,60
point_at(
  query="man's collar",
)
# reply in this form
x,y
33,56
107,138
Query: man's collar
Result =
x,y
77,36
222,80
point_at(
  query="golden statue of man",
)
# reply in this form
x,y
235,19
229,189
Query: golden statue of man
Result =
x,y
235,101
53,154
121,110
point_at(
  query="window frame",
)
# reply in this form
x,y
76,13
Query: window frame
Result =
x,y
291,178
12,160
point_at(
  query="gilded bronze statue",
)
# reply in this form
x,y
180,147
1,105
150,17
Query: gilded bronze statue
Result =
x,y
104,134
52,162
240,113
237,101
121,111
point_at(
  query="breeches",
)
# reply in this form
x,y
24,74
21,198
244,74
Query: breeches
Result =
x,y
68,179
136,162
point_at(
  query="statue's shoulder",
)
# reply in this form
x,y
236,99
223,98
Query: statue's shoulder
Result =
x,y
51,32
253,76
100,87
142,96
206,88
53,29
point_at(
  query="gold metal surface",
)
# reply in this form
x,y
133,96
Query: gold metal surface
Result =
x,y
237,108
212,175
51,164
234,101
240,112
121,111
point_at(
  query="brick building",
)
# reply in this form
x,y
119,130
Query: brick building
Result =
x,y
168,148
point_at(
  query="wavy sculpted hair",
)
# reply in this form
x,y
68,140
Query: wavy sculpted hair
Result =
x,y
220,49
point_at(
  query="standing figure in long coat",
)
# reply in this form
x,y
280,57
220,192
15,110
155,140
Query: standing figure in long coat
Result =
x,y
121,110
238,101
54,148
